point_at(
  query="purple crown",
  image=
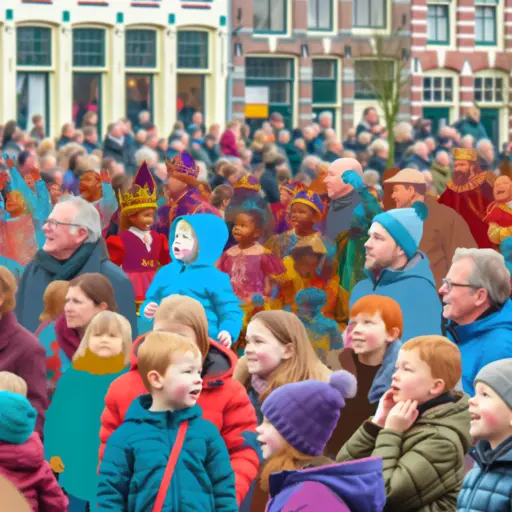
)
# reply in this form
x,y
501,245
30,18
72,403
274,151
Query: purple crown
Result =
x,y
183,164
312,199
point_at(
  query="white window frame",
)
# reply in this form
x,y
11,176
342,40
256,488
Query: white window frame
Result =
x,y
453,105
451,5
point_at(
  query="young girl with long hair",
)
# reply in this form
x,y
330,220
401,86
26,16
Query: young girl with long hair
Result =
x,y
73,419
223,400
278,352
299,419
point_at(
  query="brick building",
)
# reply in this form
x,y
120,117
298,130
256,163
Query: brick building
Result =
x,y
461,56
455,51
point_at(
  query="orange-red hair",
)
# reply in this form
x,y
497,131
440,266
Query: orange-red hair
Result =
x,y
388,309
441,355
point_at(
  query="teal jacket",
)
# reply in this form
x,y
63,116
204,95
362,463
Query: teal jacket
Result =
x,y
137,453
71,429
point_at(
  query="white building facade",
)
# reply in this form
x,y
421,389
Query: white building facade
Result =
x,y
64,58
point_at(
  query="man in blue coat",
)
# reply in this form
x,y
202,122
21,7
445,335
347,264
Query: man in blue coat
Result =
x,y
476,302
395,268
73,246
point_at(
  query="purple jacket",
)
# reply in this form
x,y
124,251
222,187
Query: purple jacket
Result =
x,y
22,354
356,486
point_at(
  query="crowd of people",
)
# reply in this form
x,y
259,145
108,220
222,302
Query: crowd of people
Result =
x,y
266,320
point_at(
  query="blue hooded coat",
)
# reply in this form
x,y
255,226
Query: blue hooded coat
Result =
x,y
483,342
356,486
137,453
200,279
414,288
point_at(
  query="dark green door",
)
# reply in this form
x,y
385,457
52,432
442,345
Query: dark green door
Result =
x,y
490,119
440,116
278,76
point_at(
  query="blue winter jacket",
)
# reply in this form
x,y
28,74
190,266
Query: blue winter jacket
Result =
x,y
483,342
201,280
414,288
488,487
137,453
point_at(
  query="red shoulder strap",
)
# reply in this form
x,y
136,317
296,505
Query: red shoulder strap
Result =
x,y
171,464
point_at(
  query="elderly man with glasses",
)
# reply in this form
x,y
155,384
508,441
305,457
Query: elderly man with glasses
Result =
x,y
477,306
73,246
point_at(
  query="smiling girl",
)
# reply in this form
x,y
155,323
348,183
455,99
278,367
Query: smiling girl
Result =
x,y
76,408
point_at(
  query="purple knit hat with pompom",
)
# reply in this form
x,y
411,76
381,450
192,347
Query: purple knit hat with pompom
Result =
x,y
306,413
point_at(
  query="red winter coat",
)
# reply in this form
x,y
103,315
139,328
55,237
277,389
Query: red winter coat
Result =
x,y
228,146
224,402
25,467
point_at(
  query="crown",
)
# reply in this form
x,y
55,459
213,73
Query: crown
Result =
x,y
182,164
142,194
249,182
464,154
310,198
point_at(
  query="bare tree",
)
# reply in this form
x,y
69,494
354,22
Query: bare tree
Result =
x,y
385,77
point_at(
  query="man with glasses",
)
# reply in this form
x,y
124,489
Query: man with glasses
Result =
x,y
477,306
73,246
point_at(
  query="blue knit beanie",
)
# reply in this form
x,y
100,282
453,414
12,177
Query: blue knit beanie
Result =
x,y
306,413
17,419
405,226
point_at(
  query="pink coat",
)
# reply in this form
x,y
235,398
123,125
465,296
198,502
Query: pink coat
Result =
x,y
24,465
228,145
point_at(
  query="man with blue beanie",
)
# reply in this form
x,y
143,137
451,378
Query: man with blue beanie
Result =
x,y
395,268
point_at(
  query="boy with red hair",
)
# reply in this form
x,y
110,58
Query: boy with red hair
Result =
x,y
421,429
371,347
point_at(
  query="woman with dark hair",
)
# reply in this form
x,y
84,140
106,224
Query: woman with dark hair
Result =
x,y
87,295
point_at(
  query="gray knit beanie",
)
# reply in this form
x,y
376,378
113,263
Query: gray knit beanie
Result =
x,y
498,376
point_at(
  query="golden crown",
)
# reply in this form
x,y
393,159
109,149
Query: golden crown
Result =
x,y
248,182
464,154
137,198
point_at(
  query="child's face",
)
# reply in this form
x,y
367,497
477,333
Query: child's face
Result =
x,y
285,197
302,215
271,440
181,384
143,219
184,247
245,229
368,333
491,418
264,351
413,379
306,266
106,345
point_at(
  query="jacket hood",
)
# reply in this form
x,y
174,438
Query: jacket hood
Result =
x,y
18,418
358,483
453,415
139,413
502,319
417,267
218,365
28,456
211,232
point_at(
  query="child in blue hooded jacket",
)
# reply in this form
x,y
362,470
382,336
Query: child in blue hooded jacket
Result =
x,y
137,453
197,243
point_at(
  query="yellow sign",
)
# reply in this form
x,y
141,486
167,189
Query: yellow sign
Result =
x,y
256,111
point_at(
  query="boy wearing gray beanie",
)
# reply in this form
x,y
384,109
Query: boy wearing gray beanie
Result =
x,y
489,485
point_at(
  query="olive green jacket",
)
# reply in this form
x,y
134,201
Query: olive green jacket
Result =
x,y
424,466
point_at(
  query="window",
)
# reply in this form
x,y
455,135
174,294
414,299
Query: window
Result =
x,y
485,21
89,47
438,89
270,16
489,89
140,49
192,49
34,46
325,88
369,78
369,13
278,76
438,28
320,14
